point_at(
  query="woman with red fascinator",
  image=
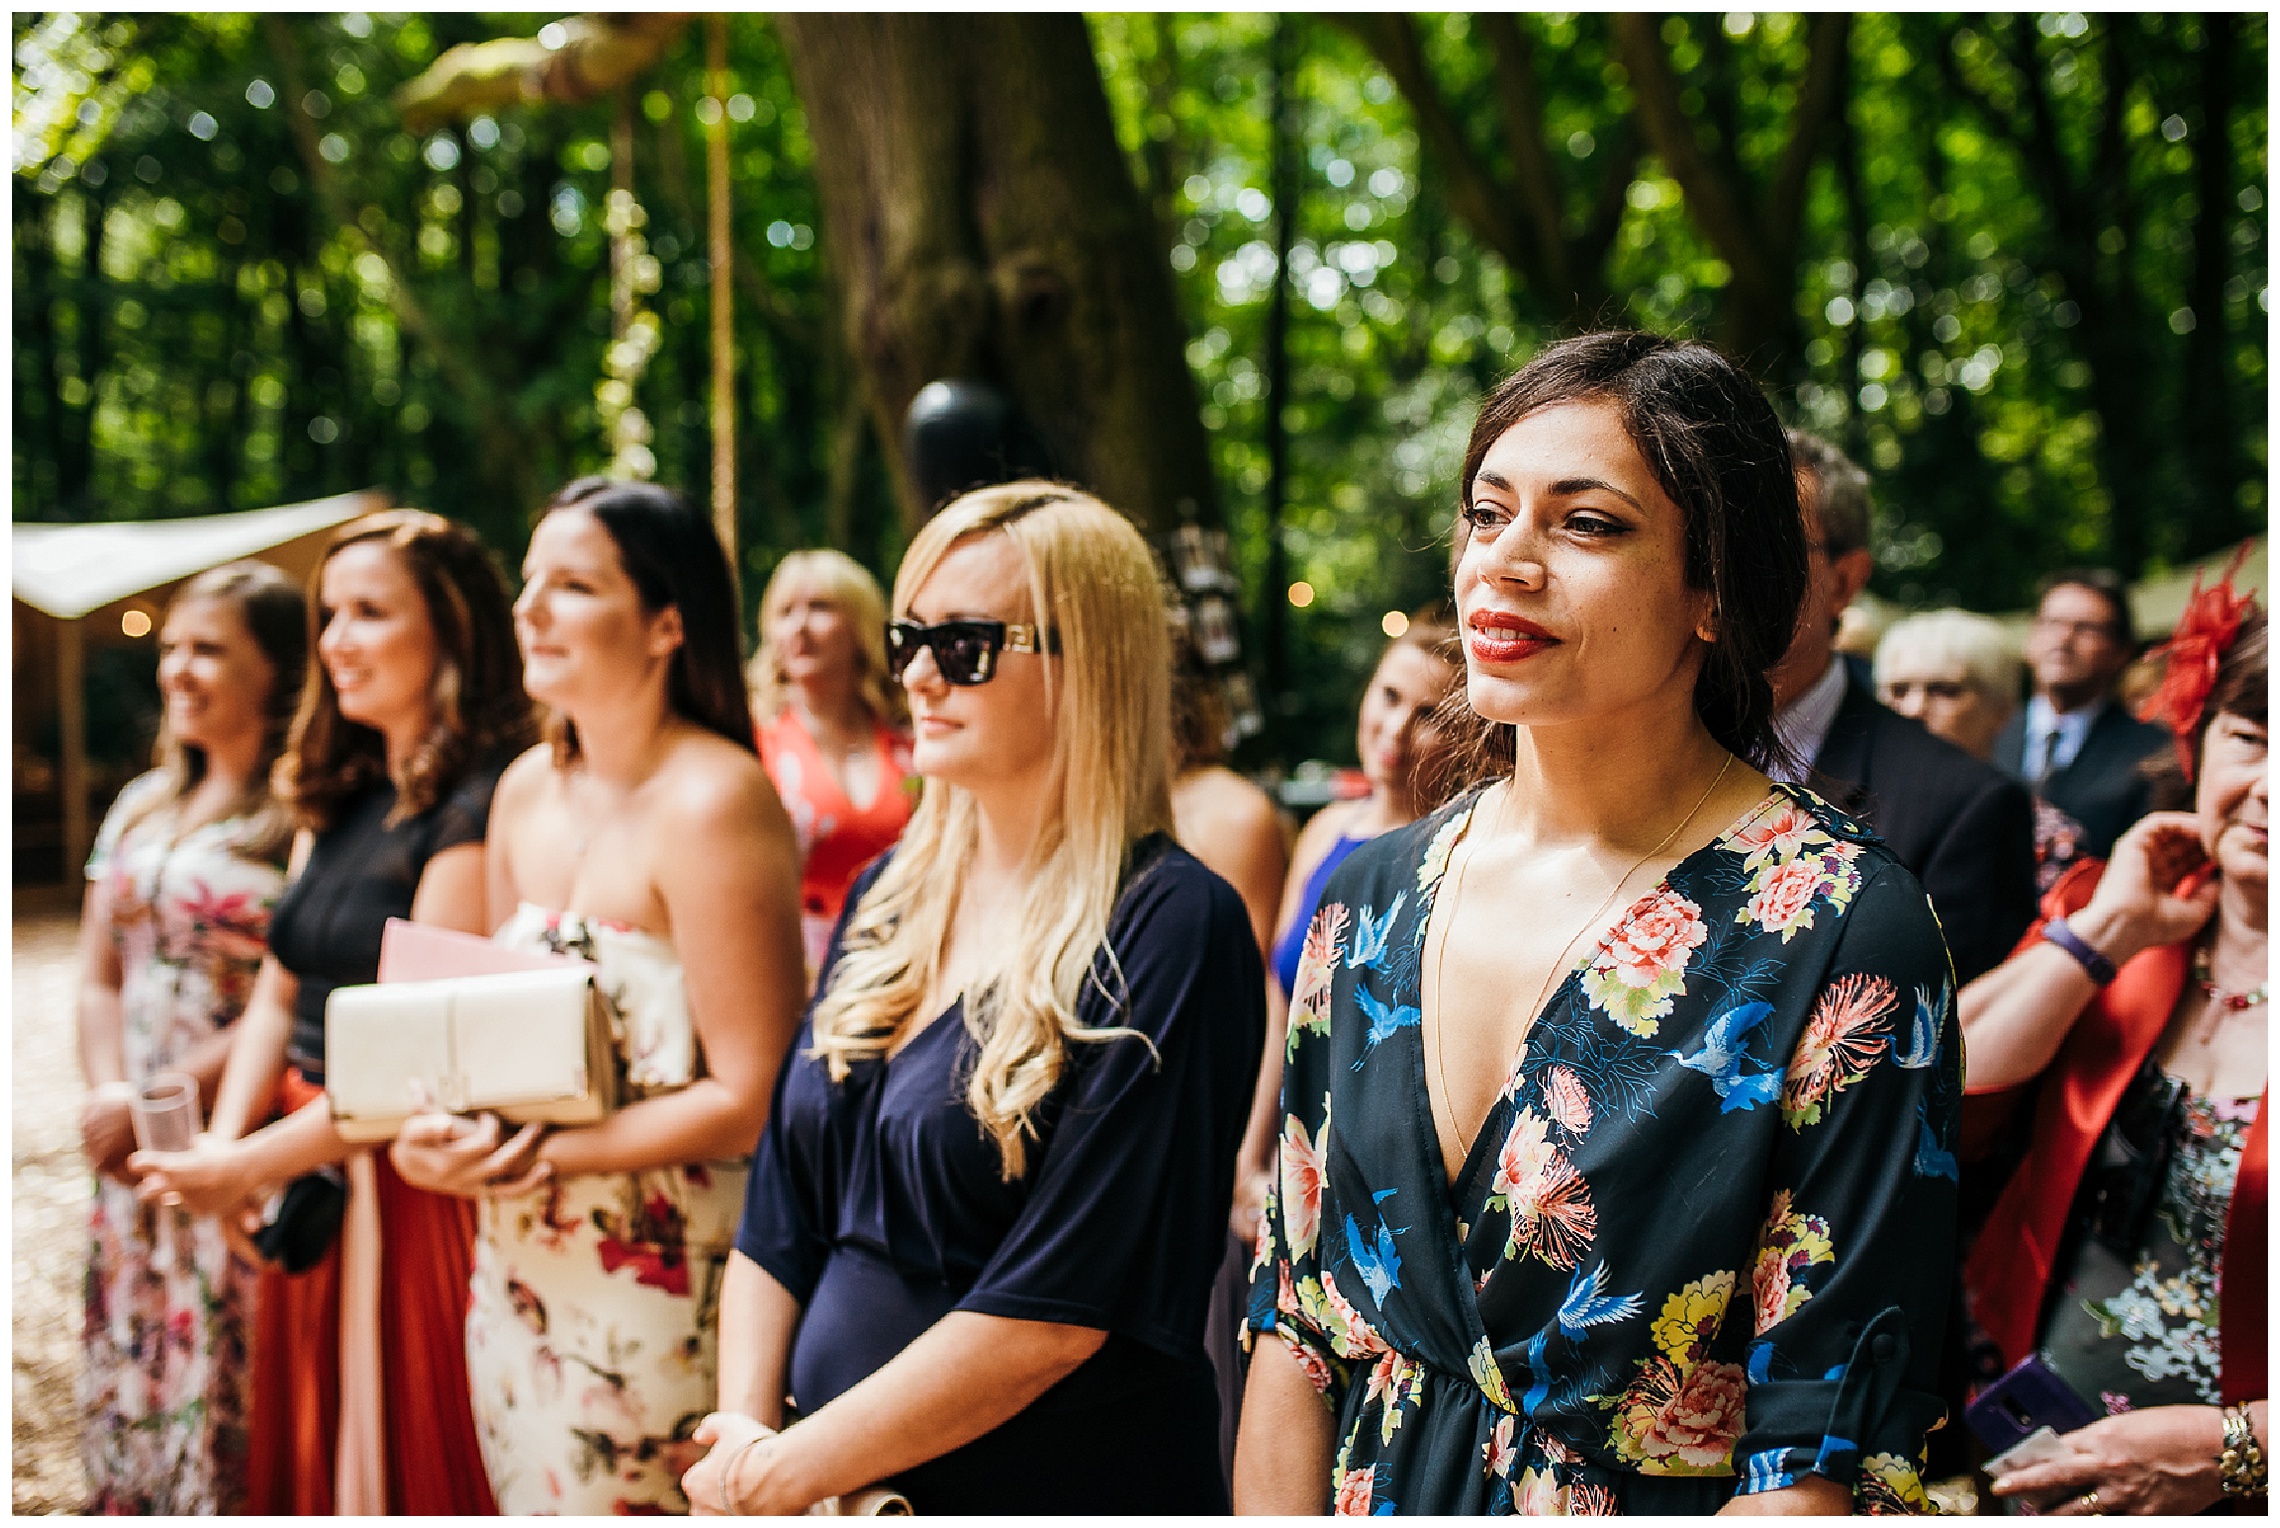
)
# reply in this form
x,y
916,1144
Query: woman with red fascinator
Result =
x,y
2134,1015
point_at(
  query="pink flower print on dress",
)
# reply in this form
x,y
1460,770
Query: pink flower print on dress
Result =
x,y
1351,1334
1567,1101
1591,1501
1683,1422
1782,831
1539,1493
227,926
1552,1214
1641,967
1789,1244
1318,961
1839,1045
1784,895
1498,1450
1354,1489
1299,1165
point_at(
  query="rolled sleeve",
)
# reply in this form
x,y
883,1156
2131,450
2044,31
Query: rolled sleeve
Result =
x,y
1855,1257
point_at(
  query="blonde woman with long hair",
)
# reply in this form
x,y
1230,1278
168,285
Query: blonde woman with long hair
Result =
x,y
987,1209
830,724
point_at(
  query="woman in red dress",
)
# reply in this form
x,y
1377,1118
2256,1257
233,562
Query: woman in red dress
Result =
x,y
830,727
414,706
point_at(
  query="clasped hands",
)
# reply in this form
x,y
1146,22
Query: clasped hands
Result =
x,y
471,1158
706,1483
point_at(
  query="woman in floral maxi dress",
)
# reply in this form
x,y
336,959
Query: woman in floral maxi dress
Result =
x,y
1617,1171
184,874
643,836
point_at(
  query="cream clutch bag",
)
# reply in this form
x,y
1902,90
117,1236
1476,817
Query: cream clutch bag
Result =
x,y
526,1045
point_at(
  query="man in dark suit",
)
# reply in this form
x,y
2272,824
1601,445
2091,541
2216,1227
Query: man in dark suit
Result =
x,y
1963,827
2074,743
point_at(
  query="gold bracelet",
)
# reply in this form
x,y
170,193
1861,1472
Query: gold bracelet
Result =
x,y
728,1472
2241,1464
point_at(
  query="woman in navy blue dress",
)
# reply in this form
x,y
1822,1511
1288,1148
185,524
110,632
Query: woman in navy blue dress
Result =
x,y
991,1197
1617,1171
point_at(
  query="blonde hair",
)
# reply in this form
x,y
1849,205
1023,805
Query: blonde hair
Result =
x,y
1978,644
1092,579
841,578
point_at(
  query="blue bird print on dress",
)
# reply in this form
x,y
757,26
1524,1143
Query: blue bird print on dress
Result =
x,y
1585,1307
1924,1031
1384,1020
1375,1259
1723,1053
1370,936
1931,1161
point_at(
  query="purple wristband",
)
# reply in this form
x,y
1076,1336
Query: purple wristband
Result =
x,y
2100,968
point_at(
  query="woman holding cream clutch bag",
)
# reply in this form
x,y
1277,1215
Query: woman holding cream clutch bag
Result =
x,y
643,836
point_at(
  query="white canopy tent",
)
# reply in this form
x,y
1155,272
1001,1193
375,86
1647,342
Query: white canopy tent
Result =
x,y
81,579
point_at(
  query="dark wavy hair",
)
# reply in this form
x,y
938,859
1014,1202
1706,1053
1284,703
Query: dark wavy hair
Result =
x,y
1716,448
674,558
477,708
277,618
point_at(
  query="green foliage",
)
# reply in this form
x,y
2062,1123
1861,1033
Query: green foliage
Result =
x,y
2030,283
203,327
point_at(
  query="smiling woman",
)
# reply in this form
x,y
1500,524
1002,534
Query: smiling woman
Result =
x,y
830,727
406,719
601,1247
180,888
1643,1229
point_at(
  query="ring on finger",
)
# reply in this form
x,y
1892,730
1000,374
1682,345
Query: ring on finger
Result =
x,y
2089,1500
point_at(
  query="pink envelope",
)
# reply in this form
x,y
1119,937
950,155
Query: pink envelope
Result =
x,y
415,952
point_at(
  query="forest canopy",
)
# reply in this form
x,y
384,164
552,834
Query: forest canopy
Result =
x,y
2016,264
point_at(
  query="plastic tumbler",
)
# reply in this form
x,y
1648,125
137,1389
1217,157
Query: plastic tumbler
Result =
x,y
165,1112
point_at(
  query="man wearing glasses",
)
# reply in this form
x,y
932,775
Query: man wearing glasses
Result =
x,y
2075,744
1965,830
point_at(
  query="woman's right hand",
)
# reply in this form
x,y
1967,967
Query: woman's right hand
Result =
x,y
2153,892
211,1178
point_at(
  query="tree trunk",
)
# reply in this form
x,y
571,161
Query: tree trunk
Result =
x,y
984,223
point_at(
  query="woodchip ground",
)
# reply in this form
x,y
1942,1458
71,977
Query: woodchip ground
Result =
x,y
49,1216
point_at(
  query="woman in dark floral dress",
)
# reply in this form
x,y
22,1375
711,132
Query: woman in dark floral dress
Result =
x,y
1665,1226
185,873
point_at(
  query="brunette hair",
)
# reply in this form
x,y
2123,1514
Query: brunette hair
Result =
x,y
1199,707
674,559
476,704
2243,682
277,618
1716,449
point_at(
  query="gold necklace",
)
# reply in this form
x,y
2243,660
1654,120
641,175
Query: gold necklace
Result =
x,y
1559,963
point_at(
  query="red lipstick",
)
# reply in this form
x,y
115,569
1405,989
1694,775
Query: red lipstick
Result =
x,y
1496,637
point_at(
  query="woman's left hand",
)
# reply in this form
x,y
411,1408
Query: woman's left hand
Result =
x,y
706,1482
2160,1460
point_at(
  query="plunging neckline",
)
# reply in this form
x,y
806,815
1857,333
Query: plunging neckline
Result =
x,y
1427,1121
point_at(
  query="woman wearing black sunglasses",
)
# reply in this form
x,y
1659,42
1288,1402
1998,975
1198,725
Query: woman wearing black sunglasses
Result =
x,y
989,1204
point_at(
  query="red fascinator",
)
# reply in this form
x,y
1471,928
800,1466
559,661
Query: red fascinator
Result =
x,y
2194,651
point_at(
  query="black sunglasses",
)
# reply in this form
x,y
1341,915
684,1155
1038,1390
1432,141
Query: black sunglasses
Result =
x,y
965,652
